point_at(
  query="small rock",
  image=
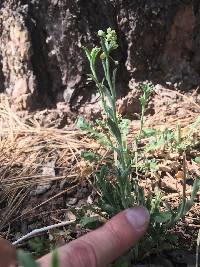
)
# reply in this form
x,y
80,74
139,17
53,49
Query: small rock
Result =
x,y
47,170
41,189
89,200
70,216
72,201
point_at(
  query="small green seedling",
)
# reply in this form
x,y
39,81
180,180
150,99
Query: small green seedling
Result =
x,y
147,90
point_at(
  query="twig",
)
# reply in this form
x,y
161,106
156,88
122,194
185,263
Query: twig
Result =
x,y
41,230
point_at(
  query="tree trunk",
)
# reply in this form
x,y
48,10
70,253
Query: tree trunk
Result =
x,y
43,63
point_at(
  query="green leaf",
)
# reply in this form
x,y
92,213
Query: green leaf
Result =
x,y
39,245
90,222
107,93
124,126
95,51
109,111
93,131
153,165
149,132
111,210
114,82
87,52
163,217
114,129
55,259
195,188
103,171
172,238
26,259
83,125
197,160
121,262
186,205
91,77
90,156
156,143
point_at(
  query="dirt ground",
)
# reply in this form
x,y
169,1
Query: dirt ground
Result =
x,y
43,176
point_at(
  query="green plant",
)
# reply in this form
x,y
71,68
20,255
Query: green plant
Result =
x,y
119,184
118,181
170,139
39,245
26,259
115,196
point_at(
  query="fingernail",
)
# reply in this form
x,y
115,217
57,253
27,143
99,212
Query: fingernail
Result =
x,y
138,218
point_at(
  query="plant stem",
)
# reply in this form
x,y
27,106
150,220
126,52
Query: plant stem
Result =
x,y
141,123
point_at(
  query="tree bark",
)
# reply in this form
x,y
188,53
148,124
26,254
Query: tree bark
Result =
x,y
42,59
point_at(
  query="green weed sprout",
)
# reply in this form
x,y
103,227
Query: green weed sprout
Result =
x,y
147,89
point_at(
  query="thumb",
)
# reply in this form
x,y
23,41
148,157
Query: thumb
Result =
x,y
105,244
7,254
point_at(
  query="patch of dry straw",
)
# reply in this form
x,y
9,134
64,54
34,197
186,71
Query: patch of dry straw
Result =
x,y
25,149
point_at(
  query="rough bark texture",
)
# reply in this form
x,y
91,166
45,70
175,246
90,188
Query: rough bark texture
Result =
x,y
42,61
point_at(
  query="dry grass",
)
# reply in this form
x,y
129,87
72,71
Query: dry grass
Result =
x,y
25,150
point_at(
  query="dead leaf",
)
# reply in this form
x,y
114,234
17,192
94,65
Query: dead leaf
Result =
x,y
179,175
